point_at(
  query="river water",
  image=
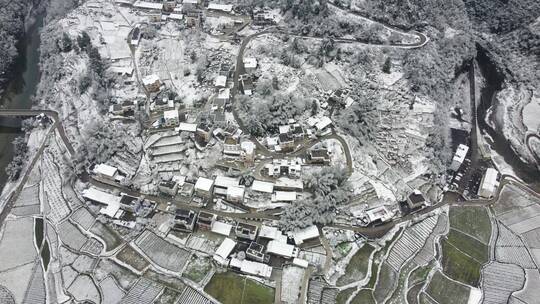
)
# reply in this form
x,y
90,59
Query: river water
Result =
x,y
25,78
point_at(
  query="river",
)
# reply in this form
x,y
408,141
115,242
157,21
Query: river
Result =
x,y
20,89
494,80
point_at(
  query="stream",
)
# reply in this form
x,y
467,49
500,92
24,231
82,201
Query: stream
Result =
x,y
21,88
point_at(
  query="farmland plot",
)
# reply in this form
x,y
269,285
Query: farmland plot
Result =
x,y
6,296
35,293
511,197
142,292
71,236
163,253
357,268
530,292
83,218
446,291
92,246
412,240
51,183
16,243
112,293
84,264
499,281
472,221
107,267
427,253
68,274
110,237
132,258
28,202
84,289
192,296
16,280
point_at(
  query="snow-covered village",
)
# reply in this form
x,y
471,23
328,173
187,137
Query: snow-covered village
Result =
x,y
244,151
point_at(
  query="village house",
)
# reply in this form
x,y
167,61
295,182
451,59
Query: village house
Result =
x,y
416,200
231,146
489,183
187,190
284,167
217,7
168,187
204,132
204,186
459,157
379,214
129,203
194,18
163,104
235,194
169,5
110,201
171,118
283,197
190,5
250,64
224,250
151,83
255,252
223,183
287,184
282,249
184,220
205,220
246,231
106,173
301,236
246,84
248,153
251,268
221,81
286,142
221,228
226,69
224,95
320,156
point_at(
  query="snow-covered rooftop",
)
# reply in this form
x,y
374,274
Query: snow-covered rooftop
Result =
x,y
300,262
204,184
106,170
221,228
305,234
235,192
221,81
281,249
223,251
150,79
224,93
284,196
250,63
187,127
253,268
148,5
220,7
99,196
261,186
171,114
226,182
324,122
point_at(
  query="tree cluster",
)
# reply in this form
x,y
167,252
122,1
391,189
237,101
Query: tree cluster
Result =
x,y
12,17
20,156
330,191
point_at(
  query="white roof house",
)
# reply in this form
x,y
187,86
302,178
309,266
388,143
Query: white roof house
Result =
x,y
221,81
187,127
224,250
220,7
175,16
302,235
235,192
250,63
226,182
150,79
378,213
253,268
300,262
148,5
171,115
489,183
204,184
260,186
224,94
269,232
459,157
221,228
282,249
283,196
105,170
323,123
112,202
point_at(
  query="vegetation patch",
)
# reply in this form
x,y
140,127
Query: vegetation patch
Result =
x,y
470,246
110,237
459,266
473,221
197,269
230,288
419,275
364,296
344,295
446,291
131,257
357,268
